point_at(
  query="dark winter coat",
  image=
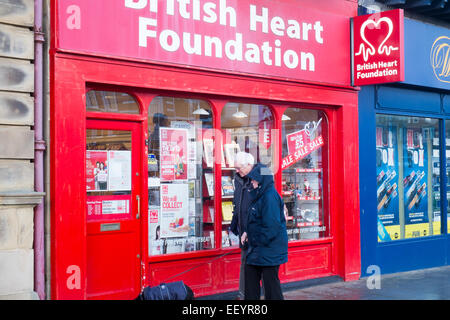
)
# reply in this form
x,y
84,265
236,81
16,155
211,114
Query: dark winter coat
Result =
x,y
266,225
241,201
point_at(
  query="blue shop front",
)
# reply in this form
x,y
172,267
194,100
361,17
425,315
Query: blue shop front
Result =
x,y
405,158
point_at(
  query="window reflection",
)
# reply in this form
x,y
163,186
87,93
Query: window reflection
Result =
x,y
111,101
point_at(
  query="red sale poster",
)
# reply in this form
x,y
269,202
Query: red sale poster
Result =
x,y
174,153
302,143
297,140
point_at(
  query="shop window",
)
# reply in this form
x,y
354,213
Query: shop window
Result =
x,y
111,101
447,171
245,127
408,177
304,166
181,207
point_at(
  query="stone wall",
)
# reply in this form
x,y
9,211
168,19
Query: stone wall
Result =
x,y
17,196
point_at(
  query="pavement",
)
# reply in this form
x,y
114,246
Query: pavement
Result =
x,y
425,284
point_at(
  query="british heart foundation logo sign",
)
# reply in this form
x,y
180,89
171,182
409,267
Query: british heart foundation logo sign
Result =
x,y
378,49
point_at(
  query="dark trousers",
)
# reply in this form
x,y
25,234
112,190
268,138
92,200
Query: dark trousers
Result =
x,y
269,275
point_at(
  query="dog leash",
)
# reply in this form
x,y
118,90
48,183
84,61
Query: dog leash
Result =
x,y
201,264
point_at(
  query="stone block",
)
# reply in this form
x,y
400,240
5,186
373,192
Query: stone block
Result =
x,y
16,228
16,42
16,75
8,229
20,296
25,227
16,271
16,108
18,12
17,142
16,175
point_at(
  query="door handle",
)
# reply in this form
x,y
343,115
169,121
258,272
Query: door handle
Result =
x,y
138,199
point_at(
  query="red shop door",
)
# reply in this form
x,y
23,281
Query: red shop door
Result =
x,y
113,188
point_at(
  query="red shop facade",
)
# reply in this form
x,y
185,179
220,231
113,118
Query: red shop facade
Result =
x,y
151,100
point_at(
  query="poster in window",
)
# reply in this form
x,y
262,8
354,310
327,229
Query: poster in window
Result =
x,y
119,177
302,143
447,156
96,170
174,210
387,182
227,186
107,207
155,243
415,164
174,154
265,130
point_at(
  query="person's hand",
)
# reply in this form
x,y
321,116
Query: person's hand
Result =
x,y
244,238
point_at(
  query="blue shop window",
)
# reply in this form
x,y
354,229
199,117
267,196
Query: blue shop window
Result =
x,y
447,169
408,177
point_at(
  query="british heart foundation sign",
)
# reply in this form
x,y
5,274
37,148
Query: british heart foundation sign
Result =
x,y
378,53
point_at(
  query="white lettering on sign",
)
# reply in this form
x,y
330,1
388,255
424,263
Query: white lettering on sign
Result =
x,y
381,69
141,4
236,48
144,32
278,26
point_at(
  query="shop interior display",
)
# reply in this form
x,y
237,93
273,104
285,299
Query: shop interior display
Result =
x,y
186,188
302,195
303,172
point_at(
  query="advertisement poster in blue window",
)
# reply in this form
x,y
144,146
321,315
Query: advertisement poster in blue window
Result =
x,y
387,183
415,164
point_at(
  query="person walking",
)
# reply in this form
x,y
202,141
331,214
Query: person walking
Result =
x,y
244,163
266,236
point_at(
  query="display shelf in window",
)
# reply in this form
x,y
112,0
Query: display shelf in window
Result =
x,y
302,194
227,195
208,154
